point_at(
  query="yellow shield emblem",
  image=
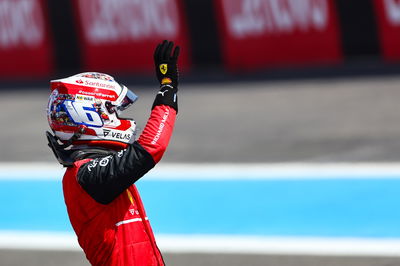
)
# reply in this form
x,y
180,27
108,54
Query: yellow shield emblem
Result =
x,y
163,68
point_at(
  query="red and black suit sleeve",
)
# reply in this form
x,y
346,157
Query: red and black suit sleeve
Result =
x,y
107,177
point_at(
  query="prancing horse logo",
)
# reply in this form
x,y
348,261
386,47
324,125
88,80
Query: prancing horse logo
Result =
x,y
163,68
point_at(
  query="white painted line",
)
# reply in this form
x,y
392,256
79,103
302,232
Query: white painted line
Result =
x,y
277,245
165,171
221,244
274,171
38,241
31,171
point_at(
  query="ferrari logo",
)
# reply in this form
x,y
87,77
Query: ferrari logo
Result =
x,y
163,68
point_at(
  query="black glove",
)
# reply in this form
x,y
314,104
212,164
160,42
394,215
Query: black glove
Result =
x,y
167,74
166,64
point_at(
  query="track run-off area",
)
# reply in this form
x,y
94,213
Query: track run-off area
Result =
x,y
283,208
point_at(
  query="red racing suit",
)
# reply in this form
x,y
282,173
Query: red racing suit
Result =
x,y
103,204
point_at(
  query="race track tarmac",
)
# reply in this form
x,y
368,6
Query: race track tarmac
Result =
x,y
73,258
331,120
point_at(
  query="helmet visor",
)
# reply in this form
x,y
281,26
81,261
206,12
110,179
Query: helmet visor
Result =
x,y
128,100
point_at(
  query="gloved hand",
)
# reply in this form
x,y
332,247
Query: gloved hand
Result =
x,y
166,64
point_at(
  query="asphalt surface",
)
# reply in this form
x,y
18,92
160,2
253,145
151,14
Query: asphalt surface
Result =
x,y
313,121
333,120
71,258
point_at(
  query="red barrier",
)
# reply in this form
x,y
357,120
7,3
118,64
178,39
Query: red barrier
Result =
x,y
388,14
25,48
262,33
120,35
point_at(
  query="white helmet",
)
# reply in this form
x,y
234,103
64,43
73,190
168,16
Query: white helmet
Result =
x,y
84,110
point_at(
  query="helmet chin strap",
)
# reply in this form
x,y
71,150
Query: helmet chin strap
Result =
x,y
67,157
81,130
64,156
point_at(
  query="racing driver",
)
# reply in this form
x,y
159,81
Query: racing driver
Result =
x,y
104,159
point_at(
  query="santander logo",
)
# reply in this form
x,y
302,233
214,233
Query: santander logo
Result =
x,y
21,23
258,17
111,21
392,8
105,85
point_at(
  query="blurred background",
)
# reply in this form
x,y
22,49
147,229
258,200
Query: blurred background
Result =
x,y
286,146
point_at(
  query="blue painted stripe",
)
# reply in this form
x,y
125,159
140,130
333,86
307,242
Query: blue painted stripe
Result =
x,y
32,205
345,207
311,207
